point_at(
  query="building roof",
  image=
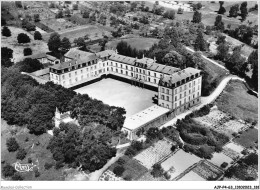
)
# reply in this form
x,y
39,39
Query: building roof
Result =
x,y
43,55
139,119
105,53
122,59
74,53
180,75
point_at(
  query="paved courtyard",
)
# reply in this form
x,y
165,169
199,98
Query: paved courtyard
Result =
x,y
117,93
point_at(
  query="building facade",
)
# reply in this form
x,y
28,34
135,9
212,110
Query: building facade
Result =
x,y
177,89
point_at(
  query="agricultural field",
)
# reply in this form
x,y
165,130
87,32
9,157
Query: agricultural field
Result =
x,y
237,101
179,162
37,46
207,171
192,176
133,169
219,158
233,150
58,24
248,138
154,154
138,43
93,32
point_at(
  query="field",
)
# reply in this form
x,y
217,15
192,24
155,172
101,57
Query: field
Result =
x,y
57,24
244,172
233,150
37,46
207,171
93,32
35,147
248,138
133,169
219,158
192,176
179,162
236,101
154,154
138,43
117,93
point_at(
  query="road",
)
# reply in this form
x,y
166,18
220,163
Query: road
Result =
x,y
214,62
205,100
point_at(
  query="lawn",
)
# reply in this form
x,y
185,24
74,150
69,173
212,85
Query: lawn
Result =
x,y
117,93
248,138
58,24
138,43
236,101
37,46
219,158
192,176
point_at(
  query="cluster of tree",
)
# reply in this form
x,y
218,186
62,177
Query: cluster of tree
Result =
x,y
57,46
37,35
196,17
170,14
117,8
28,25
144,20
233,12
9,171
6,31
158,10
6,56
124,49
118,33
222,9
27,51
196,6
242,33
23,38
83,147
253,61
219,24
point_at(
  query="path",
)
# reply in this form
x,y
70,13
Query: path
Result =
x,y
205,100
214,62
94,176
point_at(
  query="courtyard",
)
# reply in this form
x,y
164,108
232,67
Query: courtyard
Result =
x,y
117,93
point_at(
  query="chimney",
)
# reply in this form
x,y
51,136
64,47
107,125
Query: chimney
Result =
x,y
116,51
154,59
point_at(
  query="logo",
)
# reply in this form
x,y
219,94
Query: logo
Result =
x,y
23,167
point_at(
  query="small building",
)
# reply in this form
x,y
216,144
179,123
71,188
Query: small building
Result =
x,y
45,58
62,117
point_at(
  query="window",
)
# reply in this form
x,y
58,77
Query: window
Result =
x,y
126,73
155,74
63,77
131,68
148,72
136,70
185,87
121,66
167,106
175,91
76,79
132,74
190,84
198,94
144,71
167,91
56,77
193,89
107,69
87,69
167,98
194,82
162,104
180,96
180,89
116,64
121,71
189,98
184,94
193,96
189,91
116,70
95,67
162,90
198,87
162,97
149,79
81,77
136,75
180,102
175,98
154,80
126,67
175,105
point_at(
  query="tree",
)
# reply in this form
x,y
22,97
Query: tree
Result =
x,y
6,31
236,61
75,7
59,15
222,51
208,30
221,39
233,12
36,17
54,42
119,170
67,12
23,38
196,17
37,35
21,154
157,170
8,170
65,45
200,44
253,60
173,59
12,144
170,14
29,65
27,51
243,9
221,10
219,24
180,11
102,44
3,21
85,14
17,177
80,42
6,53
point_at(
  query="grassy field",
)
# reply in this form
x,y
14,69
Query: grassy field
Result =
x,y
94,32
37,46
57,24
248,138
138,43
236,101
38,153
118,93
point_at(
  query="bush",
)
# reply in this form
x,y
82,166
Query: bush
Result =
x,y
29,160
157,170
21,154
48,165
119,170
128,178
27,51
6,31
36,173
17,177
23,38
130,152
11,144
37,35
224,165
167,176
121,161
8,170
173,148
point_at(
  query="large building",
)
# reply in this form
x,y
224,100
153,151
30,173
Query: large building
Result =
x,y
178,89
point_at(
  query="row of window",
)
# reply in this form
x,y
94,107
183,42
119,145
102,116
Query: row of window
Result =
x,y
163,97
176,104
